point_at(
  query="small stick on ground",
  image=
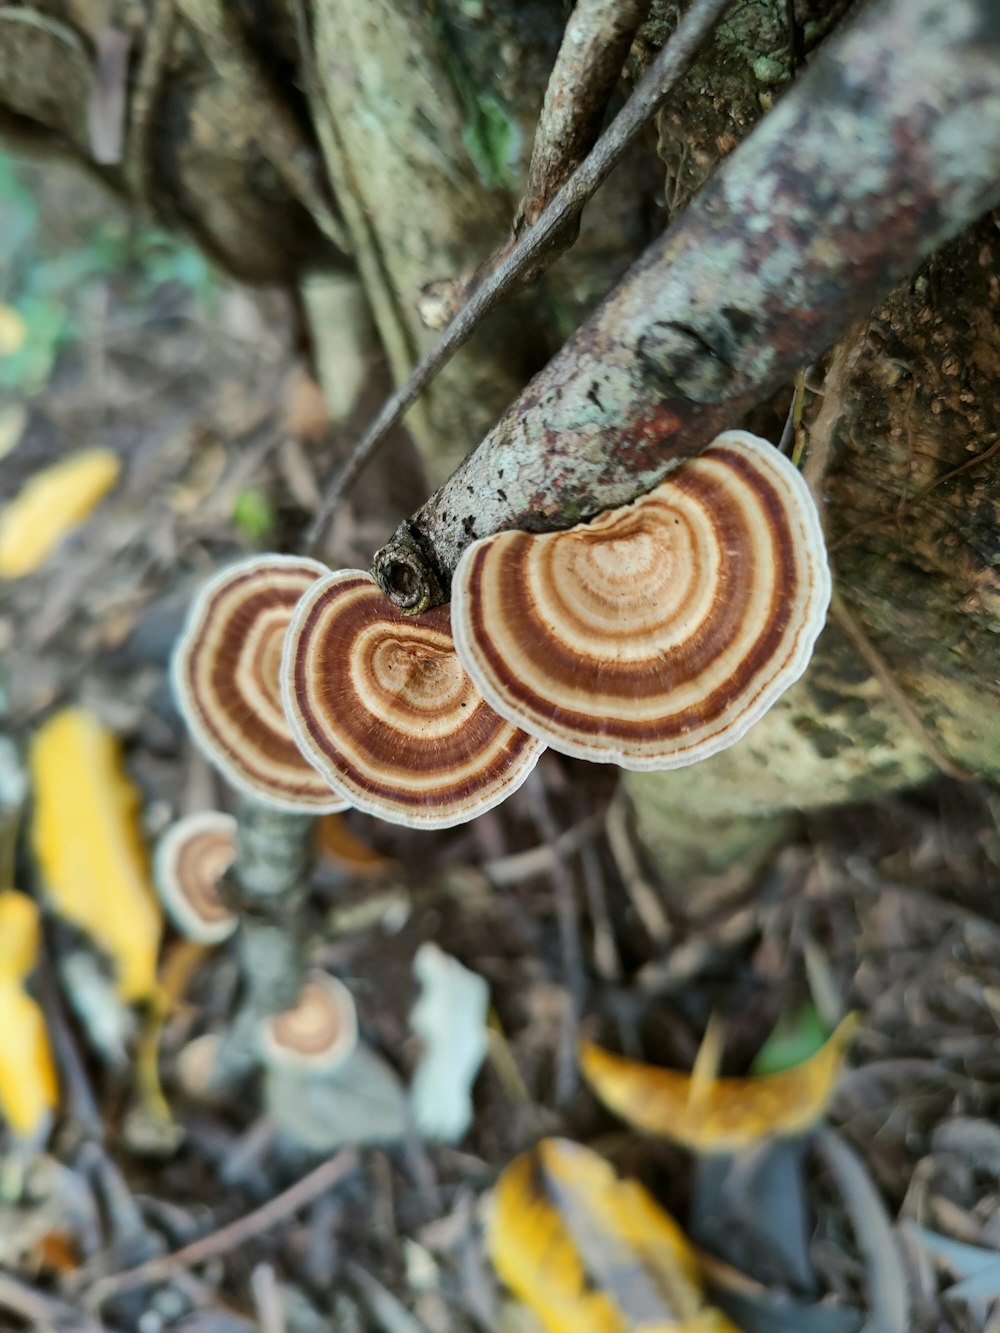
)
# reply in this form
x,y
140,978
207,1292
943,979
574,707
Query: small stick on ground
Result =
x,y
569,938
606,958
230,1237
644,897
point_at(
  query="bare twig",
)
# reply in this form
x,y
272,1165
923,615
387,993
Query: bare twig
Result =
x,y
606,959
569,937
645,899
758,276
841,614
888,1291
44,1312
587,67
230,1237
669,67
516,866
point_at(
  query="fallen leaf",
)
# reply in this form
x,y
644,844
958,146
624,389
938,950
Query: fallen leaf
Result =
x,y
361,1102
13,330
586,1250
29,1089
726,1114
450,1018
50,506
89,846
338,844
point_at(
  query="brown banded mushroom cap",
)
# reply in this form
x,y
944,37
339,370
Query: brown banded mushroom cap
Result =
x,y
225,672
319,1034
657,634
191,858
379,702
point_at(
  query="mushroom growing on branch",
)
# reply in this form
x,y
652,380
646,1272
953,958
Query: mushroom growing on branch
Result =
x,y
191,858
319,1034
659,633
225,671
381,705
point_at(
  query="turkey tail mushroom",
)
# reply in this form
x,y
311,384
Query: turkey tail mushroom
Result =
x,y
381,705
657,634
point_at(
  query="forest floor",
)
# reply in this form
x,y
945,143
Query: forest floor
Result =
x,y
888,909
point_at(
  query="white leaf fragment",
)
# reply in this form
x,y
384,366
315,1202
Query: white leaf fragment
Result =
x,y
450,1020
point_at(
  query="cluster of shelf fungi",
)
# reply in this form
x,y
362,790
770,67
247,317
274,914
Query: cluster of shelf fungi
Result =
x,y
650,638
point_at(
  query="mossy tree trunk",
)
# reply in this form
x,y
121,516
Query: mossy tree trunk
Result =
x,y
390,140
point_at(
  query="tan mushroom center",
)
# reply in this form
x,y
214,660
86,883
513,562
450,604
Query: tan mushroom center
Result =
x,y
624,587
412,677
382,706
201,862
313,1027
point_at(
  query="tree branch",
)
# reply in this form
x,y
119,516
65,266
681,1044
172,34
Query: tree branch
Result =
x,y
541,240
887,146
589,63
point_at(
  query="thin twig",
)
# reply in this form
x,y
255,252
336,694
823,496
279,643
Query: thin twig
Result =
x,y
230,1237
569,938
841,614
587,66
888,1292
539,243
645,899
517,866
42,1311
606,957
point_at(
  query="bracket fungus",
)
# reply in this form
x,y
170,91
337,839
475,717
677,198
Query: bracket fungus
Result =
x,y
191,858
381,705
657,634
225,672
319,1034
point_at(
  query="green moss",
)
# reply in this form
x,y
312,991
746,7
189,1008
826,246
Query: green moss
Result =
x,y
770,70
492,140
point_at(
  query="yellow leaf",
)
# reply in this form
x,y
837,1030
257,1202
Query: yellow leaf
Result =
x,y
336,842
49,506
19,935
727,1115
28,1085
13,330
89,847
586,1250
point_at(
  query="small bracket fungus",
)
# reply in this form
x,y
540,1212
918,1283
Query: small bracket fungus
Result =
x,y
191,858
225,671
657,634
319,1034
380,703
